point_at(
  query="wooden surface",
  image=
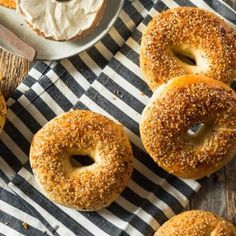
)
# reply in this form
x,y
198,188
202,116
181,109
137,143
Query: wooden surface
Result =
x,y
218,193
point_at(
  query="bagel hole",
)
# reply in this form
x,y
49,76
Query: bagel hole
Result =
x,y
185,59
197,133
184,55
81,160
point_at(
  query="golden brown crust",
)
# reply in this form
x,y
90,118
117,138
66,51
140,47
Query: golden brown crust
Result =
x,y
192,31
196,223
8,3
3,112
78,132
176,107
78,36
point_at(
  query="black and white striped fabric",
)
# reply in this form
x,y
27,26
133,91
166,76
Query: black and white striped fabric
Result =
x,y
107,80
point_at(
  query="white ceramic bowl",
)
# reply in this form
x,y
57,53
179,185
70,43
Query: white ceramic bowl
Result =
x,y
53,50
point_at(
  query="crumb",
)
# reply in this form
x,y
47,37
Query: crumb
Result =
x,y
6,223
25,225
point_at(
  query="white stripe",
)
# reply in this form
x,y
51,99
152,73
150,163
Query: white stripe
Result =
x,y
126,85
14,147
138,211
90,63
170,3
10,232
128,22
165,208
35,73
10,101
19,125
51,103
75,74
6,169
104,51
23,88
115,35
115,220
140,8
117,102
128,64
67,93
134,45
227,5
94,107
22,216
62,230
87,224
34,112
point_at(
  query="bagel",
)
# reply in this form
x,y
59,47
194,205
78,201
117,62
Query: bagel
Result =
x,y
179,105
8,3
187,40
61,20
78,132
3,112
196,222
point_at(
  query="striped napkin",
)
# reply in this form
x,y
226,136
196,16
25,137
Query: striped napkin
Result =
x,y
105,79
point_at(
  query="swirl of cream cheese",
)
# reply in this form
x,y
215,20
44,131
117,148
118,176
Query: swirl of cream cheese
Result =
x,y
60,20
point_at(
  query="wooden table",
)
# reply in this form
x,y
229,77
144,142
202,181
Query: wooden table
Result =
x,y
218,193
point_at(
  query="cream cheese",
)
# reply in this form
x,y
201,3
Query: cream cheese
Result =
x,y
60,20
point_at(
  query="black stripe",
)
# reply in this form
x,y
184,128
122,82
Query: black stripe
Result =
x,y
122,94
147,4
100,60
147,19
130,54
122,29
65,219
130,76
3,177
184,3
132,219
56,94
133,14
22,205
9,157
29,81
73,84
17,137
233,85
85,71
222,9
61,216
25,117
110,44
16,224
144,158
158,191
136,36
16,95
103,224
145,204
113,110
41,105
80,106
42,67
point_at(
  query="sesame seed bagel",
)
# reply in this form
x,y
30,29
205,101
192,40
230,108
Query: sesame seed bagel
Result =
x,y
78,132
3,112
179,105
196,223
188,32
